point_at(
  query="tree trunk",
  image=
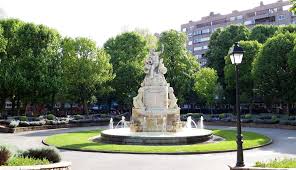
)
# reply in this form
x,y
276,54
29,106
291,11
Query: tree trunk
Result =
x,y
12,106
288,109
18,105
85,109
52,102
251,107
2,105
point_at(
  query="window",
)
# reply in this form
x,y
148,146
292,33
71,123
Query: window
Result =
x,y
262,12
198,56
220,21
189,34
251,14
239,17
196,40
197,48
205,47
205,31
232,18
197,32
190,43
249,22
184,29
274,10
281,17
205,39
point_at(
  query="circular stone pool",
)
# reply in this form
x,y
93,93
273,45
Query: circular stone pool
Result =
x,y
183,137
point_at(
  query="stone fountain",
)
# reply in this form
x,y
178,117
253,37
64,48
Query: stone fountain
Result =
x,y
155,102
155,116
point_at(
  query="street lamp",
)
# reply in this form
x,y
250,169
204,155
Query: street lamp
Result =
x,y
236,55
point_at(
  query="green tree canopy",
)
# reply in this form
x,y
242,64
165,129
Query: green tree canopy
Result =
x,y
219,45
272,75
246,82
262,32
86,69
206,84
127,51
34,49
181,65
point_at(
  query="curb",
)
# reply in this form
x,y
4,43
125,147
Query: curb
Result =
x,y
156,153
55,166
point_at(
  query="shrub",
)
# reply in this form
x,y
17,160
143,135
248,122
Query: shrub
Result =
x,y
24,123
26,161
248,116
78,117
222,115
51,117
51,154
5,154
23,118
267,121
13,124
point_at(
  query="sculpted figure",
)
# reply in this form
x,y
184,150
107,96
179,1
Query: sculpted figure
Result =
x,y
161,68
172,99
138,100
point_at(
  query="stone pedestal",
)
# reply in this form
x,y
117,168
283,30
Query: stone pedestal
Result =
x,y
158,121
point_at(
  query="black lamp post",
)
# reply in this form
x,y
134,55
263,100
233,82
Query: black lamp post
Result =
x,y
236,55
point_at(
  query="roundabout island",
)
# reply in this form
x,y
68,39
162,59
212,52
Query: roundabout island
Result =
x,y
155,125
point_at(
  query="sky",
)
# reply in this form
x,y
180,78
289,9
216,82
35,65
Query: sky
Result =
x,y
102,19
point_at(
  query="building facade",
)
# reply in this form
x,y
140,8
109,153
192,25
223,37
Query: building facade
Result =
x,y
199,32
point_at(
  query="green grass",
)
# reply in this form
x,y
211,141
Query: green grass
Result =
x,y
283,163
26,161
80,141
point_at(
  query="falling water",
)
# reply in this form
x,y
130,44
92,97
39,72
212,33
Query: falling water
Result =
x,y
189,122
144,123
201,123
164,124
111,123
122,123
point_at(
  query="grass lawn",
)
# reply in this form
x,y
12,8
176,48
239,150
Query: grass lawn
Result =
x,y
80,141
282,163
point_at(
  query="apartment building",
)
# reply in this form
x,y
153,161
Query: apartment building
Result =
x,y
199,32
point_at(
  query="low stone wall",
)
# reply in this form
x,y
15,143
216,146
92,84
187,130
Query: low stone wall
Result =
x,y
256,168
254,125
44,127
56,166
218,123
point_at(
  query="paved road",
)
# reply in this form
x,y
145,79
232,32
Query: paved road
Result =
x,y
283,146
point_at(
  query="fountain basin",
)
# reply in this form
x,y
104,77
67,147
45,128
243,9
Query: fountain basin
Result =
x,y
183,137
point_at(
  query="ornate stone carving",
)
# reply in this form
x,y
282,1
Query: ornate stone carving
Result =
x,y
172,99
155,101
138,100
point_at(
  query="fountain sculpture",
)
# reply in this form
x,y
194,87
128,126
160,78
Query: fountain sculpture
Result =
x,y
155,116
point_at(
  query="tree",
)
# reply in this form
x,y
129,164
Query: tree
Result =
x,y
3,64
219,45
38,48
127,51
262,32
181,65
11,79
206,85
271,72
86,69
246,82
293,8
